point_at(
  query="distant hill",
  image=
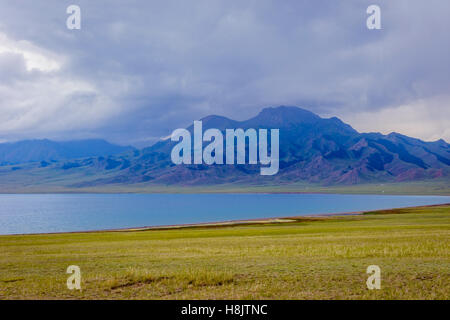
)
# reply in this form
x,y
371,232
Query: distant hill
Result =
x,y
47,150
315,150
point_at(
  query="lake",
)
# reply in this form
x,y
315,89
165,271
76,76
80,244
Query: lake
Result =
x,y
43,213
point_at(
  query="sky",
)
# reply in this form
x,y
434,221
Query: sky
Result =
x,y
137,70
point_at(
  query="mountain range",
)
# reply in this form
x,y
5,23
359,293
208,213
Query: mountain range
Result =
x,y
51,151
315,150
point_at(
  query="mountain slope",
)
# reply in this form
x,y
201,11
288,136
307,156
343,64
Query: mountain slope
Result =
x,y
47,150
312,150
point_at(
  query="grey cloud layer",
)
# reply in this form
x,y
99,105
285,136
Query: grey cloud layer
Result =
x,y
138,69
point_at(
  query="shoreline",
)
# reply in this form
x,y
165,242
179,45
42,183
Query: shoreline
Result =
x,y
228,223
231,191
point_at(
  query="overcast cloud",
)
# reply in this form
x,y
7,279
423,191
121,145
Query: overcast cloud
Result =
x,y
138,69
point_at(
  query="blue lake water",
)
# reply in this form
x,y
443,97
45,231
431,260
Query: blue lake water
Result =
x,y
36,213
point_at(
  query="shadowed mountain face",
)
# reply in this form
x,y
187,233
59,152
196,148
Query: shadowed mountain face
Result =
x,y
47,150
312,149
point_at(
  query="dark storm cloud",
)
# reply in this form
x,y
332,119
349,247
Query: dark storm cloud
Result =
x,y
138,69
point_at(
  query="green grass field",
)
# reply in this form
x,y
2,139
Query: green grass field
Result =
x,y
320,258
38,180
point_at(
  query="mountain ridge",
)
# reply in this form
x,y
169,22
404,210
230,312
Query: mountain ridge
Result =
x,y
317,150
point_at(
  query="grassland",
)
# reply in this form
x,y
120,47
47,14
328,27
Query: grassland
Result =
x,y
38,180
304,258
